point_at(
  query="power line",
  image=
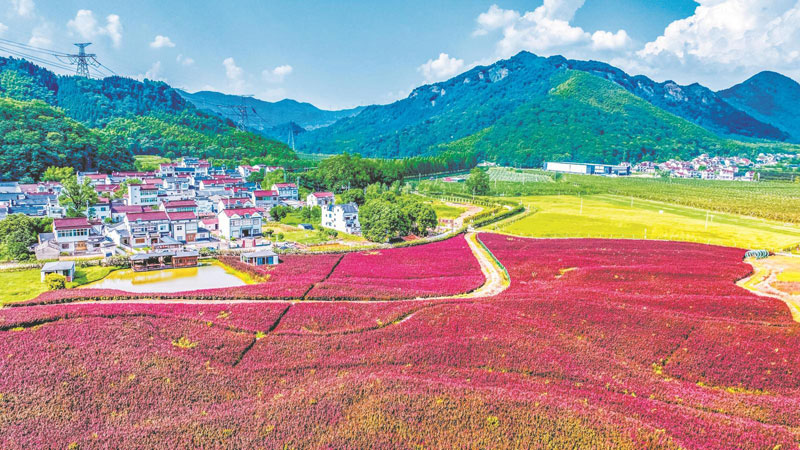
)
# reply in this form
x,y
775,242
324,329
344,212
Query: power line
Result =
x,y
84,62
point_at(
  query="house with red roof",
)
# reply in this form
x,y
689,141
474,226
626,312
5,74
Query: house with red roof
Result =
x,y
234,202
72,235
236,223
143,194
184,226
320,199
171,206
147,229
286,191
265,199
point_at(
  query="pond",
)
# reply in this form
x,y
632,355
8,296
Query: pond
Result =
x,y
169,280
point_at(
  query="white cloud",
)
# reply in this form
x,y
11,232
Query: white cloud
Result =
x,y
272,95
86,26
724,40
441,68
23,8
41,35
278,74
606,40
235,75
546,30
161,42
494,19
184,60
154,72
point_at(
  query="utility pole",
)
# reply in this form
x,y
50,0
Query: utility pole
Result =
x,y
83,60
241,111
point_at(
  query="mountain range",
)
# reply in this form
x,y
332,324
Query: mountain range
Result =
x,y
275,119
523,110
527,109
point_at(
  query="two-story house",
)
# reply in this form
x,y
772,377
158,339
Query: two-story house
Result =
x,y
179,206
342,218
265,199
234,202
72,235
240,222
183,226
286,191
320,199
147,229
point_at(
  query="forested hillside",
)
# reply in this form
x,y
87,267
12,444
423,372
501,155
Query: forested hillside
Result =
x,y
528,109
586,118
34,135
103,123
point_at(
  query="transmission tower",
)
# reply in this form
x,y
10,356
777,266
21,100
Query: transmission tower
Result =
x,y
241,111
83,60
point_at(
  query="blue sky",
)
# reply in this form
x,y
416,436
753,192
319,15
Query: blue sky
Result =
x,y
339,54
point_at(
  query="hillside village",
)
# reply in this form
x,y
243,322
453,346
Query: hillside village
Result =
x,y
185,205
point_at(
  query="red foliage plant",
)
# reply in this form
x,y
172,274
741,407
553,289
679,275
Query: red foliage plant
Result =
x,y
596,344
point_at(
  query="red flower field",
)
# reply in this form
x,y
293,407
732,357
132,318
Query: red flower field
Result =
x,y
596,344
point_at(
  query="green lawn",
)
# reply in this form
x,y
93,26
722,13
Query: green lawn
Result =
x,y
612,216
18,286
444,211
308,237
149,162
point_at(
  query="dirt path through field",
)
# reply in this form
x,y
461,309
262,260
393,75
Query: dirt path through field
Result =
x,y
764,280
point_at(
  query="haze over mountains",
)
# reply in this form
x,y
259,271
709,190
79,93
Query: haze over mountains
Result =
x,y
523,110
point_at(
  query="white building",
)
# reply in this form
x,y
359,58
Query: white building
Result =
x,y
240,222
72,235
286,191
320,199
342,218
265,199
142,194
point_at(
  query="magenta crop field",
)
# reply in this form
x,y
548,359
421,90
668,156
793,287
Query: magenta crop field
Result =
x,y
596,344
438,269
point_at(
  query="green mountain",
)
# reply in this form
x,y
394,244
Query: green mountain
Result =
x,y
529,109
115,116
269,118
770,97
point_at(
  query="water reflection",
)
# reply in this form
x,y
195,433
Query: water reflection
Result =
x,y
170,280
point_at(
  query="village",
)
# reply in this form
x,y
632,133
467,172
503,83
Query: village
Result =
x,y
170,216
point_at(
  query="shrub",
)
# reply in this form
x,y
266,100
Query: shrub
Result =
x,y
55,281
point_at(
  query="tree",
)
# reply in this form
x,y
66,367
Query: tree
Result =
x,y
59,174
478,182
75,197
420,217
279,212
353,196
381,221
18,233
374,191
55,281
270,178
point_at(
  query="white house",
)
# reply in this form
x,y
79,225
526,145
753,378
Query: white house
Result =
x,y
320,199
264,199
65,268
240,222
72,235
183,226
143,194
342,218
147,229
286,191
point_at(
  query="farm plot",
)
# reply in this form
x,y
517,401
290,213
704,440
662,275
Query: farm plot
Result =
x,y
608,216
596,344
507,174
438,269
